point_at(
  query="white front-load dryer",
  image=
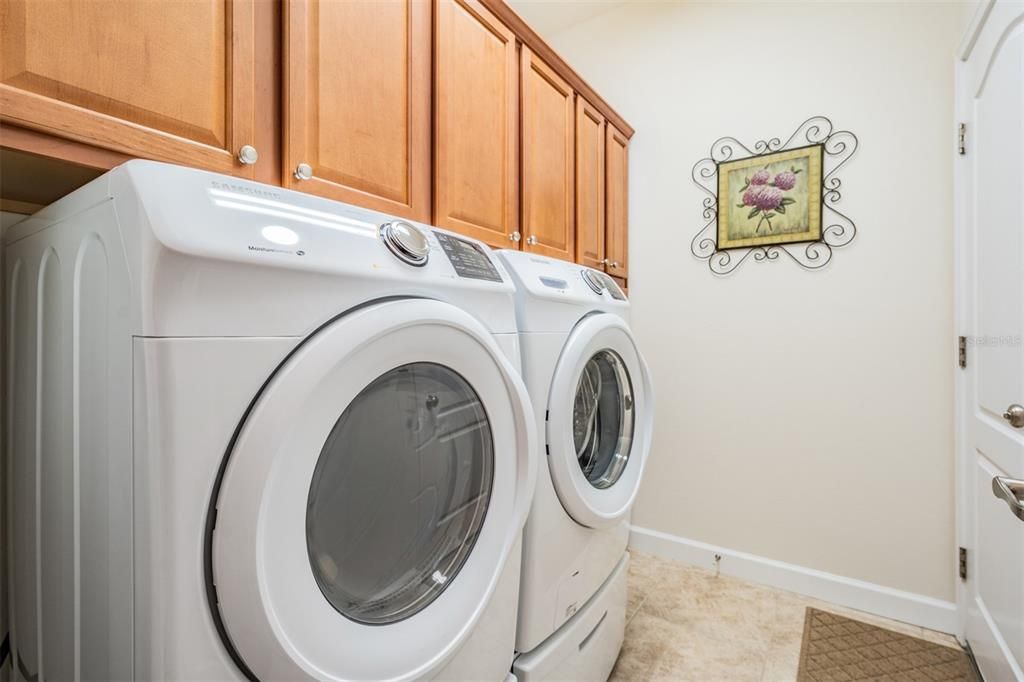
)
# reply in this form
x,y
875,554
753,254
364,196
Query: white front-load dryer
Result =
x,y
257,434
592,395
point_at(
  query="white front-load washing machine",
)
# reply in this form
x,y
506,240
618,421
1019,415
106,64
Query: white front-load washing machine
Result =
x,y
257,434
591,392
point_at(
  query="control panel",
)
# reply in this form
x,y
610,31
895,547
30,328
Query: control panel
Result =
x,y
558,280
612,287
554,282
468,259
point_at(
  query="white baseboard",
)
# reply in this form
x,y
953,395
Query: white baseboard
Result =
x,y
907,607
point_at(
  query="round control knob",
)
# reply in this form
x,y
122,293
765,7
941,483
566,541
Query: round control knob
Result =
x,y
406,241
594,281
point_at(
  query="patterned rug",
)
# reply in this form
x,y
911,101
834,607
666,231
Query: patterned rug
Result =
x,y
841,649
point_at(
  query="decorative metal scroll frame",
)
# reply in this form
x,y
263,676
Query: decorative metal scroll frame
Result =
x,y
838,146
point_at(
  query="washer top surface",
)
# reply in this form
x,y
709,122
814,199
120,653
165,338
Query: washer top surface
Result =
x,y
212,255
552,295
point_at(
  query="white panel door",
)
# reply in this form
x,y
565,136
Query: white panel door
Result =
x,y
992,314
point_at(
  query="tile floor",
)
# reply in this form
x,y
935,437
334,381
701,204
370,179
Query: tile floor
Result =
x,y
684,623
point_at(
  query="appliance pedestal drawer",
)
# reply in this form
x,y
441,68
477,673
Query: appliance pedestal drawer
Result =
x,y
587,645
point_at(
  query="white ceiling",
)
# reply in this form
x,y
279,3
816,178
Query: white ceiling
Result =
x,y
548,17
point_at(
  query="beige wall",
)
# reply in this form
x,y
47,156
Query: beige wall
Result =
x,y
804,417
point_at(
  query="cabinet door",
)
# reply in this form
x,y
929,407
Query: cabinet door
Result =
x,y
476,86
590,127
548,150
616,202
357,102
161,79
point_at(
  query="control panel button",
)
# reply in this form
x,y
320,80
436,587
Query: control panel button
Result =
x,y
406,241
594,281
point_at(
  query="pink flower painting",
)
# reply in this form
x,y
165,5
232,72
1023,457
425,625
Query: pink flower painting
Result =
x,y
766,195
772,198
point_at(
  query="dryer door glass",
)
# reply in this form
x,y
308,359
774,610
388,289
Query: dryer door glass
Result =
x,y
602,419
399,493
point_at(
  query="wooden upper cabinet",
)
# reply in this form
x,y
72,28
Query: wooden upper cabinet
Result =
x,y
357,102
476,87
161,79
616,202
590,226
548,158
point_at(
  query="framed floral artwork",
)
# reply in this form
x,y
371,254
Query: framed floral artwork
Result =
x,y
774,198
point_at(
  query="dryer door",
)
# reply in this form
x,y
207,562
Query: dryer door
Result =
x,y
599,421
371,498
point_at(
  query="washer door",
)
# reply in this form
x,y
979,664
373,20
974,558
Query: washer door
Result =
x,y
599,421
371,497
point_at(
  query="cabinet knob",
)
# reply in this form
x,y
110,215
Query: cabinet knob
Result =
x,y
531,240
303,171
248,155
604,261
515,237
615,263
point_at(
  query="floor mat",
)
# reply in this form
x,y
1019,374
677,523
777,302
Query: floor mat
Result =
x,y
839,649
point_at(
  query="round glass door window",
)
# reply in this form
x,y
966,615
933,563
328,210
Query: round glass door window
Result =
x,y
602,419
399,493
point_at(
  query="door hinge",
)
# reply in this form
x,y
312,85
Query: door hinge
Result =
x,y
962,344
963,563
962,139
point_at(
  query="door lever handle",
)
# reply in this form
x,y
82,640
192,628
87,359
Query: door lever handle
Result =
x,y
1010,491
1015,415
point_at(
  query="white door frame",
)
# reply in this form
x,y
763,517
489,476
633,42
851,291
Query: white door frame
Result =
x,y
961,176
